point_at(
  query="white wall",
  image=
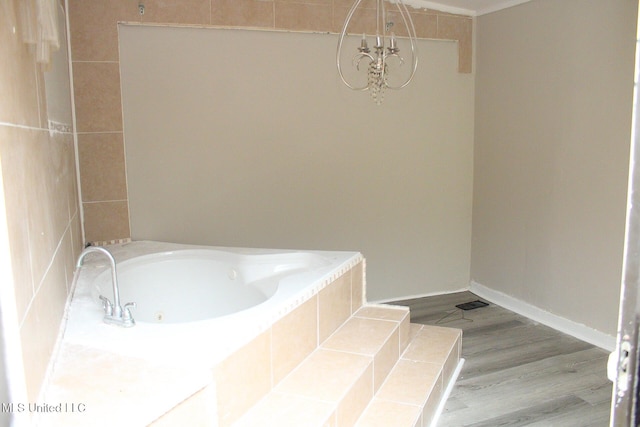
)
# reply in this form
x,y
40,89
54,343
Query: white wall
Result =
x,y
554,87
247,138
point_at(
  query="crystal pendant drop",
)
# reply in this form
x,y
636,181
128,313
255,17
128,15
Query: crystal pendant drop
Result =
x,y
376,81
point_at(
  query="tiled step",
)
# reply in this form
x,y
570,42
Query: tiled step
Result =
x,y
412,391
335,383
377,369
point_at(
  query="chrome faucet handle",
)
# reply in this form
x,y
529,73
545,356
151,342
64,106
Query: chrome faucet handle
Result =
x,y
126,313
106,305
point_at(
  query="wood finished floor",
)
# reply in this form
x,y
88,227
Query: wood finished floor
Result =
x,y
517,372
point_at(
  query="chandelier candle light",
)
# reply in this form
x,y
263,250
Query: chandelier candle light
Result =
x,y
385,58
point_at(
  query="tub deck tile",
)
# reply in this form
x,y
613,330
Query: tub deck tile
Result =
x,y
97,382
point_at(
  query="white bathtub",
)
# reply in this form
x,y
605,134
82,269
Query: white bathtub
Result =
x,y
195,304
204,316
189,285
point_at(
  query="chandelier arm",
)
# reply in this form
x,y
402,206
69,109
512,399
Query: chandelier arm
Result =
x,y
358,57
408,23
395,55
339,49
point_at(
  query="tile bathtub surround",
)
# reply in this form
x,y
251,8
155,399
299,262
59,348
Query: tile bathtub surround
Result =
x,y
374,364
39,177
239,381
94,44
278,351
243,379
293,338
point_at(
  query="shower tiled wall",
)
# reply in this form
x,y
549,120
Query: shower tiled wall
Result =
x,y
94,44
39,177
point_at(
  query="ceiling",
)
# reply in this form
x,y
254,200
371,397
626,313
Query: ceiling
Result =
x,y
465,7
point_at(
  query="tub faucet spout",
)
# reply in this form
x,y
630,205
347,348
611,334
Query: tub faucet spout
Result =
x,y
114,313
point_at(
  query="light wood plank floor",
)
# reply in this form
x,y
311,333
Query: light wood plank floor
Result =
x,y
517,372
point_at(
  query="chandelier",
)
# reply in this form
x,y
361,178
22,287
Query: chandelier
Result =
x,y
384,62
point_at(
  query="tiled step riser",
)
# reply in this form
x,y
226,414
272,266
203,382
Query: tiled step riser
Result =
x,y
284,346
346,370
417,382
380,333
408,397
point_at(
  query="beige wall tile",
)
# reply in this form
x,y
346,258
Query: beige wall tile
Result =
x,y
14,155
465,52
106,221
396,24
329,2
69,258
426,25
38,168
334,306
93,25
62,179
76,235
62,155
362,21
97,96
293,338
303,16
366,4
40,328
242,13
46,188
42,98
18,81
182,12
458,28
243,379
70,183
102,166
36,351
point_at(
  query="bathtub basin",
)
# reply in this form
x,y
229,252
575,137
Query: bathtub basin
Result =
x,y
199,284
195,304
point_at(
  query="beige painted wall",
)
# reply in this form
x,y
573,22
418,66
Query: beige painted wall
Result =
x,y
247,138
40,195
94,43
552,129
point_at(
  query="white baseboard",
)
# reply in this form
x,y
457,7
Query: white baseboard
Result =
x,y
578,330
